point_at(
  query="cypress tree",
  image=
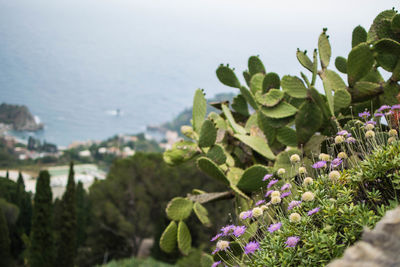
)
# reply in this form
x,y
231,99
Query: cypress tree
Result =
x,y
67,235
41,250
7,175
5,256
25,206
82,214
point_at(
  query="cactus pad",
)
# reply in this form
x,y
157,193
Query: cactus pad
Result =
x,y
341,64
258,144
168,238
283,161
304,60
202,214
255,65
240,105
179,208
270,99
271,80
287,136
184,238
256,83
211,169
199,109
341,100
359,36
236,127
227,77
293,86
324,49
217,154
208,134
359,63
280,111
308,121
251,179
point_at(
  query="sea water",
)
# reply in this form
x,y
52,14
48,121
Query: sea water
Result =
x,y
90,69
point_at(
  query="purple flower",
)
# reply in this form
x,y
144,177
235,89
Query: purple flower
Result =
x,y
342,132
292,241
336,162
319,164
364,114
293,204
371,122
216,237
350,140
348,135
311,212
396,106
285,194
383,107
267,176
215,264
246,214
258,203
286,186
269,193
239,230
271,183
227,229
251,247
274,227
379,114
390,112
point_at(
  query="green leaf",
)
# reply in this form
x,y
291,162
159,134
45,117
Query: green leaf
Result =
x,y
385,15
247,77
313,146
211,169
270,99
319,100
255,65
390,92
304,60
333,81
184,238
365,90
282,110
199,109
227,77
217,154
234,174
359,63
251,179
287,136
324,49
179,208
388,53
341,64
258,144
180,152
250,231
266,128
315,67
294,86
359,36
256,83
271,80
283,161
308,121
236,127
168,238
240,105
208,134
342,99
248,96
202,214
395,25
206,260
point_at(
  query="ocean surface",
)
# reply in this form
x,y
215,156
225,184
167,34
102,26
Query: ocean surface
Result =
x,y
76,63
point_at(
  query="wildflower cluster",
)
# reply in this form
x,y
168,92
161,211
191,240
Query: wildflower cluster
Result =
x,y
324,206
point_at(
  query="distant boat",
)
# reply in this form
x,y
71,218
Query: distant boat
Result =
x,y
115,112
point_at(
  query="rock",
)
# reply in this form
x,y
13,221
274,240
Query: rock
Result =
x,y
377,248
19,117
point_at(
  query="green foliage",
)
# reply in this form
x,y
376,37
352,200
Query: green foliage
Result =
x,y
68,224
179,208
202,214
5,256
184,238
199,110
168,239
291,113
134,262
251,179
41,249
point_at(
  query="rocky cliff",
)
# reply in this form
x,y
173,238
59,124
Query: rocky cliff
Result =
x,y
378,248
19,117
